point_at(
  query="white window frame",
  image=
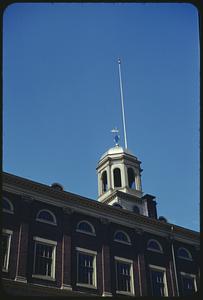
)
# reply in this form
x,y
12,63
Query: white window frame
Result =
x,y
84,231
91,253
46,221
130,262
183,257
159,269
5,264
183,274
120,241
11,210
152,249
46,242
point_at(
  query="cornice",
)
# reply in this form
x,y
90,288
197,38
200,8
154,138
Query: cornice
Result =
x,y
45,193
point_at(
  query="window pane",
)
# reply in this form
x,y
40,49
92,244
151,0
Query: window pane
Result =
x,y
188,286
157,283
43,259
85,227
121,236
117,177
45,215
123,277
6,205
85,269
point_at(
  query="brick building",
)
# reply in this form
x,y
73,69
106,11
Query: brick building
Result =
x,y
59,243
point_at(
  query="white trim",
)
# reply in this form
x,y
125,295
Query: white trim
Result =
x,y
107,294
120,241
66,287
152,249
44,220
11,210
163,270
129,262
44,241
7,233
21,279
86,251
183,257
93,254
84,231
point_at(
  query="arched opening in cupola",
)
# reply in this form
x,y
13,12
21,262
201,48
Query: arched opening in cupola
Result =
x,y
131,178
117,177
104,182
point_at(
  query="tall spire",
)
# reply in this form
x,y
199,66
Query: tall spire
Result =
x,y
122,103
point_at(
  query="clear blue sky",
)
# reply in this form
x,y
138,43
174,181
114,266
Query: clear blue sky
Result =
x,y
61,96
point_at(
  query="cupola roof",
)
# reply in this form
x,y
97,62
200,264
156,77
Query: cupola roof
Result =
x,y
116,151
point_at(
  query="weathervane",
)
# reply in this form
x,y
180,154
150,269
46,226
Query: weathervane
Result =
x,y
116,136
122,103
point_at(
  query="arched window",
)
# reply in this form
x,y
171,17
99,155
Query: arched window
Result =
x,y
117,205
104,182
85,227
131,178
154,245
46,216
7,206
136,209
184,253
121,236
117,177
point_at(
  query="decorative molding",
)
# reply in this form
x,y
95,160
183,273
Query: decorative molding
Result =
x,y
68,210
104,221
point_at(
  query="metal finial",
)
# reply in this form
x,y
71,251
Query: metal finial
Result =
x,y
116,136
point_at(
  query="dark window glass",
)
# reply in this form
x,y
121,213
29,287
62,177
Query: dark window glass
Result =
x,y
117,177
157,283
45,215
131,178
6,205
121,236
184,253
43,259
117,205
123,276
84,226
136,209
154,245
85,269
5,239
104,181
188,286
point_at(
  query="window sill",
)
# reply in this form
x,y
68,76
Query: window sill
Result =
x,y
85,232
86,285
125,293
4,270
122,242
154,250
46,222
43,277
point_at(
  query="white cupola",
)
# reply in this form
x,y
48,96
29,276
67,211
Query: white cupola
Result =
x,y
119,180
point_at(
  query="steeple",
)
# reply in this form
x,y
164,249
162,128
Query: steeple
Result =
x,y
119,174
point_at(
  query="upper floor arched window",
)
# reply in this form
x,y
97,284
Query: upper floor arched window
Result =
x,y
121,236
136,209
46,216
131,178
154,245
117,177
7,206
117,205
85,227
104,181
184,253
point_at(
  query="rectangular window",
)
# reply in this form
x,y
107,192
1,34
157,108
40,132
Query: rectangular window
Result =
x,y
86,267
188,284
158,281
124,276
6,242
44,260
